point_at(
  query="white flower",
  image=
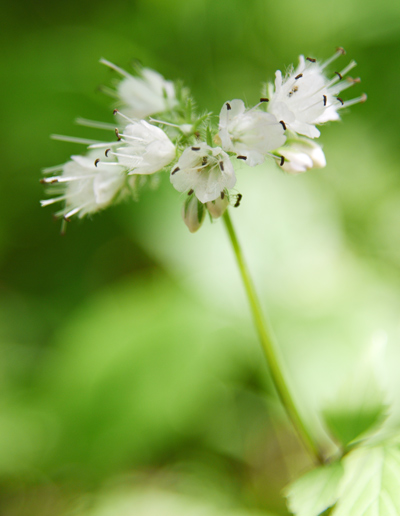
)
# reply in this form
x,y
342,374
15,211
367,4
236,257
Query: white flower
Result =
x,y
146,95
306,97
87,185
143,148
205,170
301,155
193,213
251,134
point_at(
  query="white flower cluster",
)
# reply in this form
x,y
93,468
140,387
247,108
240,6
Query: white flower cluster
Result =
x,y
200,157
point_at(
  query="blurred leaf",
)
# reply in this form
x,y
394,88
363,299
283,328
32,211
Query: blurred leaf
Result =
x,y
315,491
359,406
370,486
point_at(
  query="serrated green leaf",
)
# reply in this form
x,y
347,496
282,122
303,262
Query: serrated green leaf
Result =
x,y
314,492
371,484
359,406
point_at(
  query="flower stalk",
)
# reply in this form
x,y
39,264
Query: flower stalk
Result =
x,y
269,347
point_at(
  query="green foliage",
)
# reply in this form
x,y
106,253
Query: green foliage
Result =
x,y
371,484
359,406
315,491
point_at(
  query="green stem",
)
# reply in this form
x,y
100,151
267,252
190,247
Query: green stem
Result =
x,y
268,345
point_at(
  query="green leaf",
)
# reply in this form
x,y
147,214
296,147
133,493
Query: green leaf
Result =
x,y
371,484
359,406
314,492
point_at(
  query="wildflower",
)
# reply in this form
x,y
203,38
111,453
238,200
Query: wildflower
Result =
x,y
193,213
249,133
306,97
87,185
205,170
301,155
145,95
143,148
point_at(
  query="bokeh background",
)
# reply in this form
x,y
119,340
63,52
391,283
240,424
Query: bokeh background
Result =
x,y
131,380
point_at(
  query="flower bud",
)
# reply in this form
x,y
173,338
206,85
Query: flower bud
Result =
x,y
217,207
193,213
302,155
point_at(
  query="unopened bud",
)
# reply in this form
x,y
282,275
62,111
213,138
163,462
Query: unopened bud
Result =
x,y
301,155
217,207
193,213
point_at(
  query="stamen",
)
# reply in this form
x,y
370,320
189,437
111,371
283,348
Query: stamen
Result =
x,y
71,213
221,166
106,152
340,100
311,59
50,170
96,161
339,75
342,73
282,161
222,195
357,100
204,161
116,68
117,112
339,52
264,99
73,139
103,145
298,76
283,124
93,123
228,106
325,98
117,134
163,123
190,191
48,202
241,157
175,171
195,148
238,199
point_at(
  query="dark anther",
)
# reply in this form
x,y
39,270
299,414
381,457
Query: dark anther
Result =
x,y
298,76
341,50
242,157
195,148
311,59
175,170
222,195
115,111
340,100
117,134
324,96
204,161
42,181
228,106
221,165
283,124
96,161
106,153
53,181
264,99
282,161
238,199
339,75
190,191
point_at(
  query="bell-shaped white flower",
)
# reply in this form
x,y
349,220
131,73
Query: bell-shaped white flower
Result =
x,y
145,95
205,170
143,148
86,185
249,133
193,213
306,97
301,155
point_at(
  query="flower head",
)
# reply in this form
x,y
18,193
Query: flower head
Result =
x,y
306,97
300,155
249,133
205,170
87,185
143,148
145,95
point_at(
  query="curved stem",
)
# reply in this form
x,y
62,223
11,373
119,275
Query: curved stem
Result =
x,y
268,345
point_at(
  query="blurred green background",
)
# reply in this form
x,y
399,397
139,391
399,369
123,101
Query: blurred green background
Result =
x,y
131,380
